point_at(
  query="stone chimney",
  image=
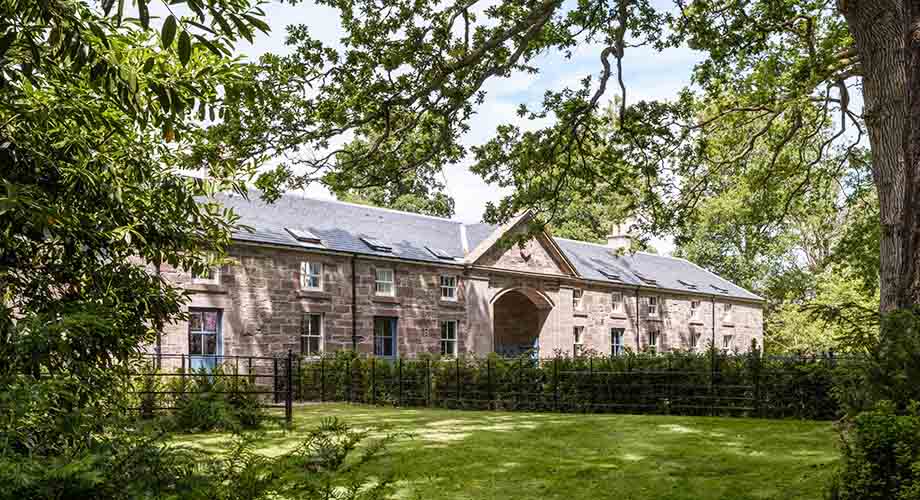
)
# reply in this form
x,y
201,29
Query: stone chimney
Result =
x,y
619,237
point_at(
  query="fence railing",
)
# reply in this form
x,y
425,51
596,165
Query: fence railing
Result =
x,y
273,379
687,384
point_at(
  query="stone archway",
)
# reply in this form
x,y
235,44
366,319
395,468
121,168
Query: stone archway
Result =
x,y
518,316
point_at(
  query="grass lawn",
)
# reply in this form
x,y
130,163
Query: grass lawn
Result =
x,y
496,455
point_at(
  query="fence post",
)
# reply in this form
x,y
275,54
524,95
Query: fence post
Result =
x,y
373,380
299,378
348,375
758,406
400,379
322,379
289,400
183,368
252,379
275,378
491,389
591,381
427,382
520,382
556,383
458,380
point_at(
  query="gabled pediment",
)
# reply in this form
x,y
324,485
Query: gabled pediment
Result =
x,y
539,254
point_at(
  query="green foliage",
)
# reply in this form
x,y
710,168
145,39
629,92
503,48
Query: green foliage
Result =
x,y
839,316
881,455
131,463
677,382
202,401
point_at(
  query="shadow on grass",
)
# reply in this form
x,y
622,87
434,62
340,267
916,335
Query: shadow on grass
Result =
x,y
463,455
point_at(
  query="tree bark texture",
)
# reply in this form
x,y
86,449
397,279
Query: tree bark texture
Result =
x,y
878,29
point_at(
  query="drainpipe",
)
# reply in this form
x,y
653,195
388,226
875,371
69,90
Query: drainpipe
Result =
x,y
637,320
354,305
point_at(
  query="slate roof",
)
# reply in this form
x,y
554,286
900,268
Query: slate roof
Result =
x,y
341,226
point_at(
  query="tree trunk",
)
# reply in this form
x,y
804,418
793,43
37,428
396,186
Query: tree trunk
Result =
x,y
878,28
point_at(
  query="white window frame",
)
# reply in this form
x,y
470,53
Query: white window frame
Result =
x,y
213,280
656,336
578,299
653,310
450,288
695,338
305,334
728,342
378,282
695,311
616,302
617,348
578,339
306,272
447,341
727,312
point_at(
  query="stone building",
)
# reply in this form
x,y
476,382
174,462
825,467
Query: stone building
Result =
x,y
317,276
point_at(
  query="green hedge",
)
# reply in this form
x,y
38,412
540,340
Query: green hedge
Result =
x,y
710,383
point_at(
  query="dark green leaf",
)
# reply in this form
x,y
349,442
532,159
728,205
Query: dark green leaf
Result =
x,y
148,64
168,33
210,46
6,42
185,47
258,23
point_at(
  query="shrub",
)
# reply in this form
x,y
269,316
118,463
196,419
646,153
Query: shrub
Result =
x,y
128,463
881,455
202,401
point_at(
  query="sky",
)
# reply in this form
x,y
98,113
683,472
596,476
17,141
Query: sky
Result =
x,y
648,74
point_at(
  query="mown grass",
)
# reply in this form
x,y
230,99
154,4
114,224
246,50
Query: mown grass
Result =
x,y
496,455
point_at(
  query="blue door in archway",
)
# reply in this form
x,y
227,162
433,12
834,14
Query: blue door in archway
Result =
x,y
204,338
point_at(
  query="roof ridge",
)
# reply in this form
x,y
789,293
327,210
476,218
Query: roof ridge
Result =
x,y
304,196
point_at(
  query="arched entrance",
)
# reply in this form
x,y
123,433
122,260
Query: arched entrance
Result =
x,y
518,317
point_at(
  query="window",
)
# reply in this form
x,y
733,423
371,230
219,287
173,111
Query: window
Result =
x,y
311,335
694,309
203,338
448,288
616,302
210,276
384,336
727,313
695,340
653,337
652,306
383,281
578,333
617,345
728,342
449,338
311,276
577,295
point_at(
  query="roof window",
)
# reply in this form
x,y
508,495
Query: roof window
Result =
x,y
376,244
441,254
304,235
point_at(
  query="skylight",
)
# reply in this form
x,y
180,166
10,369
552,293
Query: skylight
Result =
x,y
688,284
441,254
720,289
610,274
376,244
303,235
647,280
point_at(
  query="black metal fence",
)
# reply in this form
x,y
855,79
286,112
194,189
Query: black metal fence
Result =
x,y
272,379
684,383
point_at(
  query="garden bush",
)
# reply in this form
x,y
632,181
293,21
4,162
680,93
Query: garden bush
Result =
x,y
203,400
676,382
881,455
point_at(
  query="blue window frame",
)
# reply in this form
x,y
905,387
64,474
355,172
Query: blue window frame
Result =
x,y
385,336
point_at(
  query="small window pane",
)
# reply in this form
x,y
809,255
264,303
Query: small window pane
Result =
x,y
194,321
209,344
194,344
